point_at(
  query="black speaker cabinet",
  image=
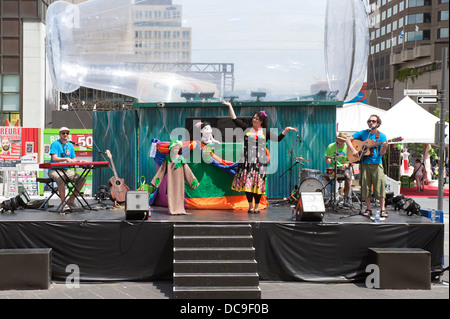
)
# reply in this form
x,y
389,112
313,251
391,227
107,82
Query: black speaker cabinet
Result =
x,y
310,207
23,269
136,205
402,268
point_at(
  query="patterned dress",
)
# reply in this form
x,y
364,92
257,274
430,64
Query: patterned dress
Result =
x,y
251,172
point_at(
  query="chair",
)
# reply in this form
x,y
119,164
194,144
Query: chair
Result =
x,y
48,182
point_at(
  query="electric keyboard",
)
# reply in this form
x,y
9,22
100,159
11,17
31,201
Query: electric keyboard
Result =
x,y
73,165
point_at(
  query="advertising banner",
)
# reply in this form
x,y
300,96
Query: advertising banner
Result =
x,y
82,137
11,142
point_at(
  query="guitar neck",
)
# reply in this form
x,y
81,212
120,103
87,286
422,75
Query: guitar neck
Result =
x,y
376,144
108,153
363,148
114,169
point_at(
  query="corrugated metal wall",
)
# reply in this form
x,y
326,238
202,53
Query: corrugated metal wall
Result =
x,y
115,131
316,122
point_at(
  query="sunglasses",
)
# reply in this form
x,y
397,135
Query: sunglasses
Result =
x,y
65,133
371,121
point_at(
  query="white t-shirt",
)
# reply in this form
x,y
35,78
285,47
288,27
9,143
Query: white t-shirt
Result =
x,y
405,155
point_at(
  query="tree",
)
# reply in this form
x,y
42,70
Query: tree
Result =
x,y
404,74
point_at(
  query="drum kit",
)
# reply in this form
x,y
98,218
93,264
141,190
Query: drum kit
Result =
x,y
311,180
335,177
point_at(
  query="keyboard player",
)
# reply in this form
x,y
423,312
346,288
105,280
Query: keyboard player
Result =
x,y
61,151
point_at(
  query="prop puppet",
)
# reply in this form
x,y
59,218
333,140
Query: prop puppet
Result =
x,y
177,171
206,130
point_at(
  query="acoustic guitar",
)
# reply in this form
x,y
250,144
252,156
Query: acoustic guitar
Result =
x,y
118,187
364,149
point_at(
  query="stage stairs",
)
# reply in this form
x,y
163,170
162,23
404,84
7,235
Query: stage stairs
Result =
x,y
214,261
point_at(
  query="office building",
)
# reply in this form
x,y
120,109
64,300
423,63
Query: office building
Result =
x,y
22,61
406,41
154,35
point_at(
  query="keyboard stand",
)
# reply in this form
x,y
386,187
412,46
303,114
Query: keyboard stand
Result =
x,y
72,188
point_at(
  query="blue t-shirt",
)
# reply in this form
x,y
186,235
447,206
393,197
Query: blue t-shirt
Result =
x,y
376,158
62,150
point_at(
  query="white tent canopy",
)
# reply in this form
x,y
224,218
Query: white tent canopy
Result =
x,y
352,117
410,121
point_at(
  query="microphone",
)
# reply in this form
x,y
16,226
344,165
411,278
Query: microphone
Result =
x,y
71,142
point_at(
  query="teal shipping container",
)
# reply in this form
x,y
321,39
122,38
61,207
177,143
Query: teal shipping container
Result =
x,y
128,135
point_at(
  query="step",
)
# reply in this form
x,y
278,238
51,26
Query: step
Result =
x,y
217,292
212,230
213,241
214,266
215,279
213,253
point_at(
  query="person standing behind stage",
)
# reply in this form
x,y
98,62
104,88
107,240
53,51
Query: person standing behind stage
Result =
x,y
251,172
340,148
419,174
405,157
63,152
372,167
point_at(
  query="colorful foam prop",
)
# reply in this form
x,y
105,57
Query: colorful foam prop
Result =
x,y
214,173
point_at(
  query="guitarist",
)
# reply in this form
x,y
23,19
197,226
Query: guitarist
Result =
x,y
372,173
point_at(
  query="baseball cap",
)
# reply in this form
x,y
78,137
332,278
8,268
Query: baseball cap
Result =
x,y
62,129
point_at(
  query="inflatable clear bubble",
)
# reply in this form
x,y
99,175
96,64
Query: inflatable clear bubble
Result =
x,y
168,50
346,47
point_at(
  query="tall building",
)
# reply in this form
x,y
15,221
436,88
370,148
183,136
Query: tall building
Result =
x,y
22,61
158,32
153,35
154,32
406,41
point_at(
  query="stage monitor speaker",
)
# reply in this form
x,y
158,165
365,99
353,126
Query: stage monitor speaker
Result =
x,y
402,268
310,207
136,205
25,268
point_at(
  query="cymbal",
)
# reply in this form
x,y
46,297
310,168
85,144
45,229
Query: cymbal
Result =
x,y
301,159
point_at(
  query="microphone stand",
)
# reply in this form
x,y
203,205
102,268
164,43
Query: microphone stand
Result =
x,y
100,177
292,165
291,172
89,148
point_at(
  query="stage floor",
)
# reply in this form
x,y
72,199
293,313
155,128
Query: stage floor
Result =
x,y
107,247
278,211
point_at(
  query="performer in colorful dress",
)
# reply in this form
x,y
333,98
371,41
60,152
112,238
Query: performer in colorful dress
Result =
x,y
251,172
177,171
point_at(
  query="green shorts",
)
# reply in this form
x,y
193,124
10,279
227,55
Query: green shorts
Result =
x,y
372,175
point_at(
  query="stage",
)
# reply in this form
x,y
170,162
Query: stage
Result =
x,y
107,247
